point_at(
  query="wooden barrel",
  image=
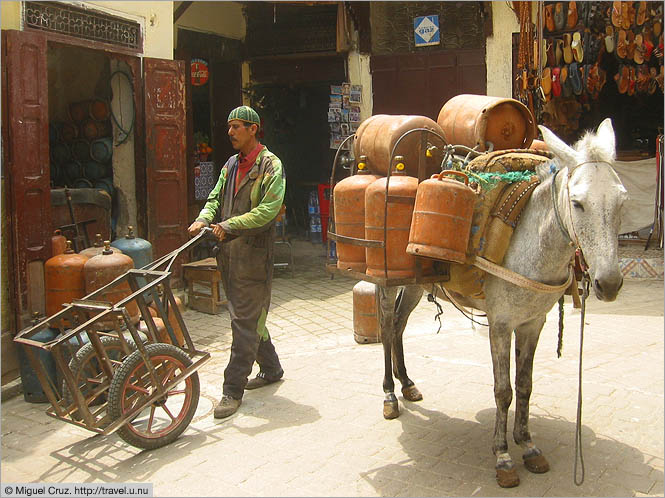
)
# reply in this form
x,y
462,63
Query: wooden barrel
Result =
x,y
366,327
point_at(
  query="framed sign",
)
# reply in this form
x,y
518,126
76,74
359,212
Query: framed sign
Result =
x,y
199,71
426,31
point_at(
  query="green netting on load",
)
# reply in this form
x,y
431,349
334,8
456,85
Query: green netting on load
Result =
x,y
488,181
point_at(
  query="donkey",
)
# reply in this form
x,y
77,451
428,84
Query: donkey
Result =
x,y
576,205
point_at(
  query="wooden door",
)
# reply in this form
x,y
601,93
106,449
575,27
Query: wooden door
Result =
x,y
166,161
26,167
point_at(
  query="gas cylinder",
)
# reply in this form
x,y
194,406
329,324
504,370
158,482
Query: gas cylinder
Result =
x,y
442,217
402,188
63,279
140,250
365,313
173,321
349,202
32,388
377,135
97,247
58,243
104,268
162,334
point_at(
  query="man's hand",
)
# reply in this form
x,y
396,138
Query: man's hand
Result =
x,y
218,231
195,228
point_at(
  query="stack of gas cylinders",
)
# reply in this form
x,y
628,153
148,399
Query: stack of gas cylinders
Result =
x,y
429,219
69,276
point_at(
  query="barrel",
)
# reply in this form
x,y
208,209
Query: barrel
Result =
x,y
397,262
99,109
94,170
377,135
349,203
475,120
81,150
366,327
102,149
442,216
61,153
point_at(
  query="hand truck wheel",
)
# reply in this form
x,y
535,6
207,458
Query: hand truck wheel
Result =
x,y
87,372
163,420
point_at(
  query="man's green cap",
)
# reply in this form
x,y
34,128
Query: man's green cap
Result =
x,y
246,114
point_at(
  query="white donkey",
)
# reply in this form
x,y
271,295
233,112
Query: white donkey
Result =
x,y
577,204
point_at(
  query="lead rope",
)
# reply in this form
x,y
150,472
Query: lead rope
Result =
x,y
578,423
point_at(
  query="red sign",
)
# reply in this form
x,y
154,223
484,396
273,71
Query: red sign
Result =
x,y
199,70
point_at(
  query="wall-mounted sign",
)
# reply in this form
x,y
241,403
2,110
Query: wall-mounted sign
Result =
x,y
199,70
426,31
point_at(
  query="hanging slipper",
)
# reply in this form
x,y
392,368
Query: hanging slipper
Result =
x,y
549,17
602,78
559,16
609,39
622,45
648,44
642,83
551,58
622,78
626,18
630,45
567,51
546,83
576,47
657,28
558,51
575,79
616,14
653,84
572,15
556,81
566,85
641,13
638,55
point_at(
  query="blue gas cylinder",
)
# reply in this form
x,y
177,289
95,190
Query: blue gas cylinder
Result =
x,y
32,388
140,250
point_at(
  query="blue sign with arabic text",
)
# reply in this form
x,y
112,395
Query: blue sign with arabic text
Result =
x,y
426,31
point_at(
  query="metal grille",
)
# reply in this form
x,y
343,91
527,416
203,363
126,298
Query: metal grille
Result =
x,y
82,23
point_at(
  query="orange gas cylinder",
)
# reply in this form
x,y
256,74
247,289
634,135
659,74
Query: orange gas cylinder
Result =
x,y
173,321
365,313
104,268
97,247
442,217
349,202
58,243
162,335
63,279
377,135
402,188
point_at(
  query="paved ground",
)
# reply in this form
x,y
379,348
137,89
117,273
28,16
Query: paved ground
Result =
x,y
320,432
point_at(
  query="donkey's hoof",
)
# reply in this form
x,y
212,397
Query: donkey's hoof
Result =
x,y
507,478
390,410
411,393
536,464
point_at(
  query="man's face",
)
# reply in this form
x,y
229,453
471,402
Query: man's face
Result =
x,y
240,134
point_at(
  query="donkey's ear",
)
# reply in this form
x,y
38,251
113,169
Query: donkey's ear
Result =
x,y
566,154
605,137
545,170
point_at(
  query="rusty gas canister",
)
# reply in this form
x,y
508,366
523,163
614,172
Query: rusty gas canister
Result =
x,y
366,327
349,203
103,269
394,262
475,120
173,321
97,247
58,243
63,279
442,218
377,135
162,335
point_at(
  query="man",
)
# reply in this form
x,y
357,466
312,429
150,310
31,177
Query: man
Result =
x,y
245,202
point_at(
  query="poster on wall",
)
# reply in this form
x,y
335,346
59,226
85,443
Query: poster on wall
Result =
x,y
426,31
343,114
199,72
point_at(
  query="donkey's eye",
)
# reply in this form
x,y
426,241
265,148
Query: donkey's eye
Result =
x,y
578,205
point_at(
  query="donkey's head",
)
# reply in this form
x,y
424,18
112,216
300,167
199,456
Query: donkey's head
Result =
x,y
591,203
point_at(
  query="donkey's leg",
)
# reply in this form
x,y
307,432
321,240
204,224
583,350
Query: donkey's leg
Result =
x,y
408,299
500,338
526,340
387,298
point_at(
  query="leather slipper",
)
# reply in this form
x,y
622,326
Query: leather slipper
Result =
x,y
546,83
576,47
556,83
653,84
622,78
609,39
572,15
559,16
648,44
549,17
630,45
641,13
631,81
622,45
574,76
642,83
566,85
616,14
626,20
558,51
551,58
567,52
657,28
638,55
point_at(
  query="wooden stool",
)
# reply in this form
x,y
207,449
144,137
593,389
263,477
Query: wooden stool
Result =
x,y
204,273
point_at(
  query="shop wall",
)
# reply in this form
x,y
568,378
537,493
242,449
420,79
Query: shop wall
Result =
x,y
10,13
499,50
359,74
220,18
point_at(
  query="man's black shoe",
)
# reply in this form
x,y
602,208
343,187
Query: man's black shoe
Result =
x,y
262,379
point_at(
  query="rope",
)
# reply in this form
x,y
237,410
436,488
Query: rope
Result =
x,y
578,422
432,299
113,116
559,346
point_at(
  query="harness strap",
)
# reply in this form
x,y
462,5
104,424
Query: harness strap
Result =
x,y
556,210
521,280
